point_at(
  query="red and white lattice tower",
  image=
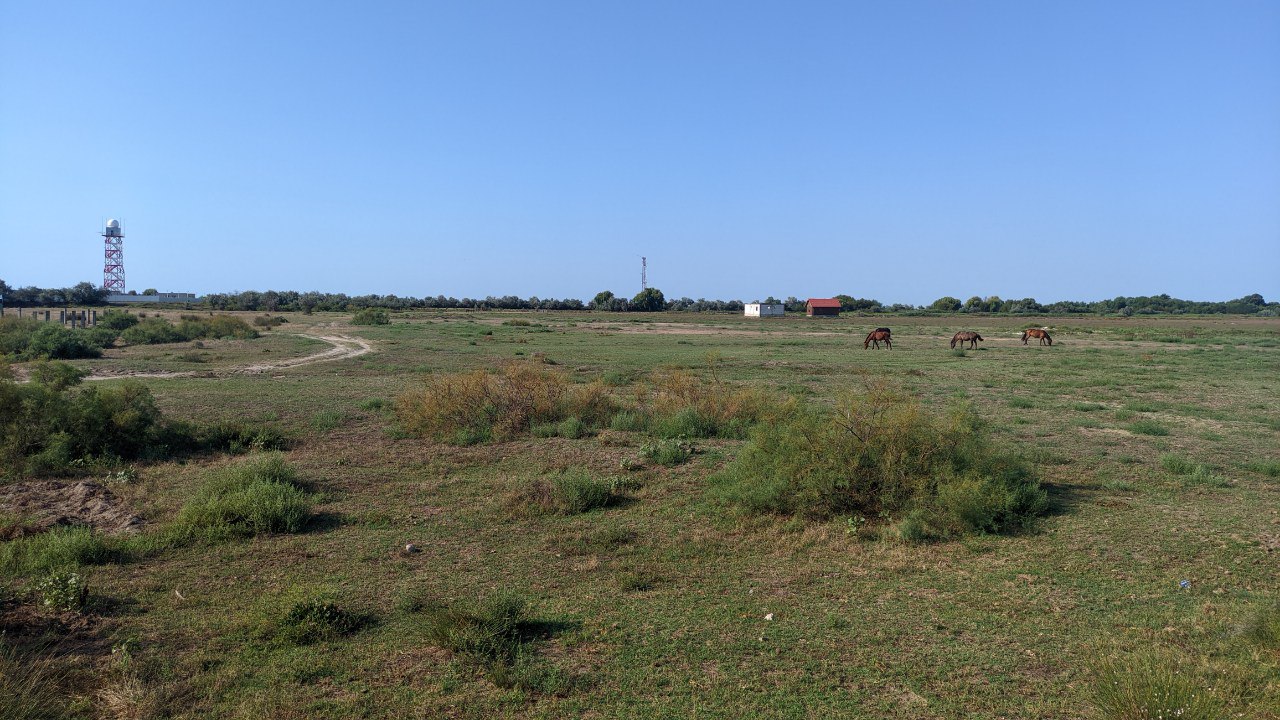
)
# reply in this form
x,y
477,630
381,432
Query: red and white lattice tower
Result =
x,y
113,262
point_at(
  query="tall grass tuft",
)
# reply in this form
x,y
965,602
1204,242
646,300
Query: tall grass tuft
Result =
x,y
567,493
59,548
30,685
259,495
881,453
1147,686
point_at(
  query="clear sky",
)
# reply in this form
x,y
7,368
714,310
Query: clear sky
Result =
x,y
895,150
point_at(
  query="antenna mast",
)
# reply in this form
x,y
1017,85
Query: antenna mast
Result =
x,y
644,273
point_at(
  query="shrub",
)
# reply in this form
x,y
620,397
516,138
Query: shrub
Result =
x,y
882,452
63,590
683,404
117,320
371,316
53,426
256,496
315,620
482,404
152,331
157,331
517,323
1146,686
668,451
571,428
58,343
269,321
567,493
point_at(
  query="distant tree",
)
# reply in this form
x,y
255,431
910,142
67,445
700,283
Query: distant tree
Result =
x,y
946,303
974,304
86,293
151,291
649,300
603,300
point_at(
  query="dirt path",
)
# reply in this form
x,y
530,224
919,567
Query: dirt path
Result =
x,y
343,347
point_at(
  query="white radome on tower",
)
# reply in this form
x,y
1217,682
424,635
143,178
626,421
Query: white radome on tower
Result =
x,y
113,223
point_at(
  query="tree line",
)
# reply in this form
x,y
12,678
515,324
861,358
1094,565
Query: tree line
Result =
x,y
648,300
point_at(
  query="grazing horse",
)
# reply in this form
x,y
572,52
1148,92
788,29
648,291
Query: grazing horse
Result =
x,y
966,337
876,336
1036,333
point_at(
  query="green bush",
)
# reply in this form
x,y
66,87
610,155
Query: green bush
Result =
x,y
58,343
158,331
882,453
261,495
54,426
117,320
371,316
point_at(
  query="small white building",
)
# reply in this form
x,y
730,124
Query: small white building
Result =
x,y
764,309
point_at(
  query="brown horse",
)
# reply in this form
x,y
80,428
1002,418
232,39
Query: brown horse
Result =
x,y
1036,333
966,337
877,336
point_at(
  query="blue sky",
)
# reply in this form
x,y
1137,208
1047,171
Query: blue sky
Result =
x,y
895,150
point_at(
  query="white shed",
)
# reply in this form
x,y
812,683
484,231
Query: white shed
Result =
x,y
764,309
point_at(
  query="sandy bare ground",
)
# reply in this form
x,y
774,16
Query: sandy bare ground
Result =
x,y
342,348
44,504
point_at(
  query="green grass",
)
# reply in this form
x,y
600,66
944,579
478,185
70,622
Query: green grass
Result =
x,y
653,605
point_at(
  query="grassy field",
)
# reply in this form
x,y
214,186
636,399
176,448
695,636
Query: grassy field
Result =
x,y
1158,439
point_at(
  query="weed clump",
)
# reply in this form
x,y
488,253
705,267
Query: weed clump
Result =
x,y
567,493
881,453
496,636
668,452
63,590
261,495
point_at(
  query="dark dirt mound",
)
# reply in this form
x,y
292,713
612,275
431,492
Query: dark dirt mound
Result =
x,y
48,503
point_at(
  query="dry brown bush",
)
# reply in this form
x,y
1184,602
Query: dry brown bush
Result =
x,y
500,404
